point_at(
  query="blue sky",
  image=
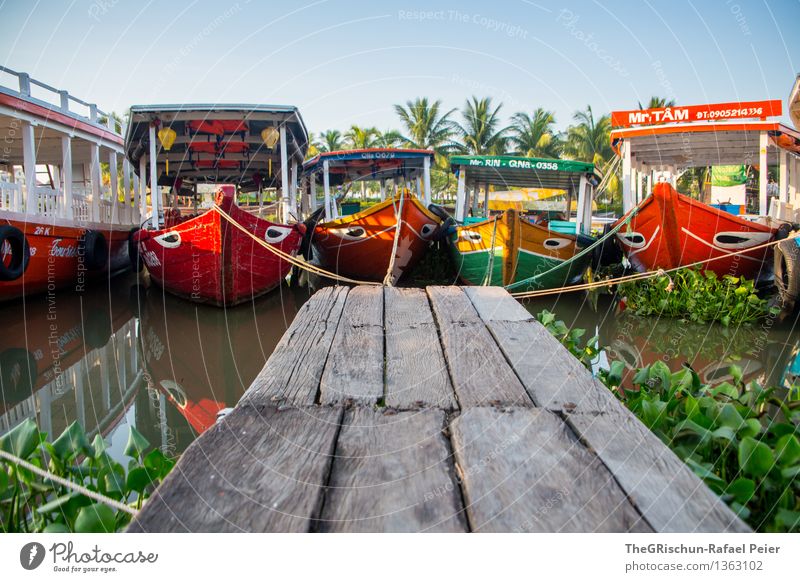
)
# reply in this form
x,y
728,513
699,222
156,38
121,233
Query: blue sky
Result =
x,y
349,62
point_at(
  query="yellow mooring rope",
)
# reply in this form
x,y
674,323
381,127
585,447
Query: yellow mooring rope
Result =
x,y
636,276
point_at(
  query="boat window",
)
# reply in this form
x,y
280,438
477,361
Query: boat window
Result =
x,y
276,234
169,240
633,239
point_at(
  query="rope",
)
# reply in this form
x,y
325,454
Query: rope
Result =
x,y
300,263
68,484
490,266
388,280
574,257
638,276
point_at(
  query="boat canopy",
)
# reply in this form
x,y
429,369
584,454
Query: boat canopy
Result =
x,y
573,177
333,169
251,146
652,141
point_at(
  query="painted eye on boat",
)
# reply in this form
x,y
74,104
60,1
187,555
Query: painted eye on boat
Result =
x,y
740,240
169,240
556,243
352,232
427,230
276,234
471,236
635,240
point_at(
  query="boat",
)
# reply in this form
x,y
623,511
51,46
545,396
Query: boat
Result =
x,y
368,245
224,255
61,225
670,230
665,229
521,247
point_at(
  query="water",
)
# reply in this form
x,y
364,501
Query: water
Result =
x,y
134,356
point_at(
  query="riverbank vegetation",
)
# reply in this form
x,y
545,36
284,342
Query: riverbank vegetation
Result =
x,y
33,503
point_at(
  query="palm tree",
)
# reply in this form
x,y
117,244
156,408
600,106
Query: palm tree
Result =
x,y
658,103
361,138
589,140
480,134
391,138
425,126
533,135
330,141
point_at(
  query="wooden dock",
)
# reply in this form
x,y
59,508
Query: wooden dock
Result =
x,y
447,409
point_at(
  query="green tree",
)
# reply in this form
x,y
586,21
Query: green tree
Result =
x,y
480,132
425,126
330,141
533,135
658,103
589,140
361,138
391,138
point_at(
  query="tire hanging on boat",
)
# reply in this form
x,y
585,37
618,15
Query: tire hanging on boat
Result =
x,y
19,251
787,271
94,249
133,251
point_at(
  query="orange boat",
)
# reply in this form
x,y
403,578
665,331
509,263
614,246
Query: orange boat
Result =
x,y
386,240
60,223
670,230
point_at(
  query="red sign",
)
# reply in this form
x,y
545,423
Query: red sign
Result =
x,y
690,113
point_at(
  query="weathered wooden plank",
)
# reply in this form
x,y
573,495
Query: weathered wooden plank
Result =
x,y
496,304
354,370
258,470
416,373
553,377
523,470
392,473
477,367
666,492
293,371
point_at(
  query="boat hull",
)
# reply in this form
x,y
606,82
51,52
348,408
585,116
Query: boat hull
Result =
x,y
208,260
670,230
361,245
56,260
514,250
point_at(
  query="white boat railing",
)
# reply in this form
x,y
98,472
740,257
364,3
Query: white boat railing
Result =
x,y
81,207
106,210
46,201
10,197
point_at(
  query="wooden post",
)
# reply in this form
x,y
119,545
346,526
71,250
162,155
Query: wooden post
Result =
x,y
420,195
475,192
783,182
486,200
580,215
326,188
763,173
793,182
426,172
29,166
383,189
461,195
94,169
113,180
284,177
312,192
627,195
66,175
142,187
155,191
126,186
293,189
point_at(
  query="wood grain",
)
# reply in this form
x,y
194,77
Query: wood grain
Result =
x,y
496,304
354,370
392,473
523,470
416,372
666,492
258,470
477,367
293,371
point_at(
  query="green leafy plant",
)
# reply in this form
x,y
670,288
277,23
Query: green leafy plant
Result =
x,y
742,440
31,503
696,295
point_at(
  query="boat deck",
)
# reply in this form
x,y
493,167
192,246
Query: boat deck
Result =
x,y
446,409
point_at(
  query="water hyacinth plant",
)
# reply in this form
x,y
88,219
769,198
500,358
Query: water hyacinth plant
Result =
x,y
696,295
32,503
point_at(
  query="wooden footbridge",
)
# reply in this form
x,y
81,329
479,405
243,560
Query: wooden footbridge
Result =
x,y
447,409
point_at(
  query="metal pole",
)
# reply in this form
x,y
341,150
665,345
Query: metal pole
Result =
x,y
426,172
627,197
66,174
461,195
284,177
763,172
326,187
155,191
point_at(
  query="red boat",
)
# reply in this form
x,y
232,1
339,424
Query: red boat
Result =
x,y
368,245
671,230
60,223
209,260
216,256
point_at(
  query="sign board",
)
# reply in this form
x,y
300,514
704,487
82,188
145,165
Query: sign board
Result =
x,y
533,164
692,113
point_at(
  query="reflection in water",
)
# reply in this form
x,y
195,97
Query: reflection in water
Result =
x,y
133,356
766,352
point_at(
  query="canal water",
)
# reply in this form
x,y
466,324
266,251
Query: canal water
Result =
x,y
127,354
